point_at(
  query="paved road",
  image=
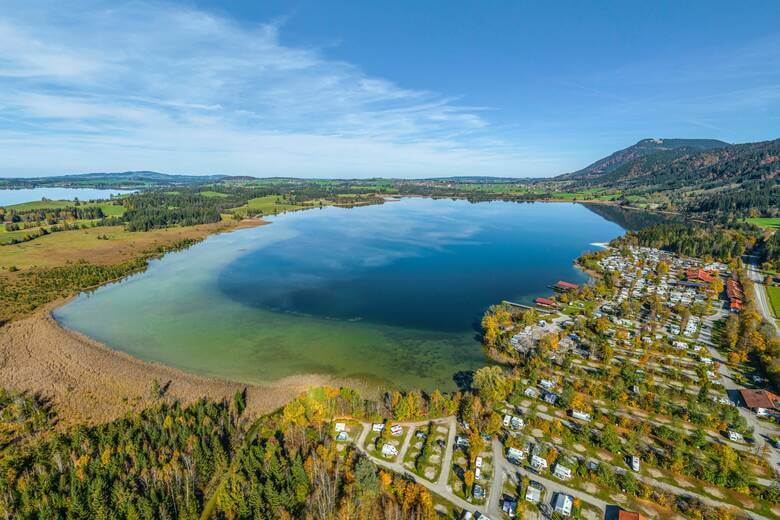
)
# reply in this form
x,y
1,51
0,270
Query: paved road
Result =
x,y
763,431
758,287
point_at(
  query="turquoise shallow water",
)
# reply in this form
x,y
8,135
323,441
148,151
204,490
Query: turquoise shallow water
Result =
x,y
390,293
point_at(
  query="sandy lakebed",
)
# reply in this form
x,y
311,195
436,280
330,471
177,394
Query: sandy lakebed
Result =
x,y
88,382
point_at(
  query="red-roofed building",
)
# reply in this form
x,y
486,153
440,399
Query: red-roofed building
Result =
x,y
566,286
761,402
629,515
735,294
545,301
700,275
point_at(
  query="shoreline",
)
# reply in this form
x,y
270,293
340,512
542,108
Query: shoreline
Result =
x,y
87,382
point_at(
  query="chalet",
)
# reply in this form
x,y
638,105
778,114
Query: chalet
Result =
x,y
340,427
342,436
377,427
735,436
545,302
396,430
761,402
479,492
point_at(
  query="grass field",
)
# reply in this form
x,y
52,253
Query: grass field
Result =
x,y
268,205
774,299
213,194
70,246
6,237
765,222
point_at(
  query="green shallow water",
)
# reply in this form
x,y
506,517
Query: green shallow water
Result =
x,y
391,294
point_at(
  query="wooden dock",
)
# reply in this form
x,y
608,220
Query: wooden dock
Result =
x,y
528,307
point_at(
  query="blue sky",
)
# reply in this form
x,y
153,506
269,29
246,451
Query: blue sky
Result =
x,y
360,89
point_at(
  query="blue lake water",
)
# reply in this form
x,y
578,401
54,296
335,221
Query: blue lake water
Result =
x,y
390,293
10,197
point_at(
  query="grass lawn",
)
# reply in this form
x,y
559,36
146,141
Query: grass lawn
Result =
x,y
774,299
765,222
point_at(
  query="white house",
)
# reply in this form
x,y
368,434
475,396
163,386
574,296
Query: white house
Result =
x,y
377,427
340,427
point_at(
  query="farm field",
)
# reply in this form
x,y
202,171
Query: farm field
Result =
x,y
765,222
774,299
268,205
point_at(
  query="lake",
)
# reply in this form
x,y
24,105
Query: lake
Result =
x,y
391,293
10,197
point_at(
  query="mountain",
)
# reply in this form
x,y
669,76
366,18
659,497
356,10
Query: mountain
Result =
x,y
732,179
113,180
644,148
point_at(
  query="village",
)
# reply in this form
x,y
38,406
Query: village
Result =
x,y
616,400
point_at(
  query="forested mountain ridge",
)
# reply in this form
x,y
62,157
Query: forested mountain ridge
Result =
x,y
735,179
644,148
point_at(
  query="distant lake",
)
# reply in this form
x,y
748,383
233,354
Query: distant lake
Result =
x,y
391,293
10,197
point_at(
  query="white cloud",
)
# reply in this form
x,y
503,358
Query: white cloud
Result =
x,y
153,86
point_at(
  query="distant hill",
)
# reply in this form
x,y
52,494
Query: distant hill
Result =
x,y
732,179
113,180
644,148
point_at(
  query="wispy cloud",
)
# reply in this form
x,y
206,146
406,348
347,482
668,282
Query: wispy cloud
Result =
x,y
149,85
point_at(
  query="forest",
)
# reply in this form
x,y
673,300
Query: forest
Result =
x,y
174,461
705,241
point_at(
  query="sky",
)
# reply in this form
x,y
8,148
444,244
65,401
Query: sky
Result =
x,y
368,89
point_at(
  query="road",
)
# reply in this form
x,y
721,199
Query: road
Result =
x,y
763,431
758,287
502,469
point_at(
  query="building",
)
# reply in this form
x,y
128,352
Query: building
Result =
x,y
565,286
629,515
545,302
563,504
735,294
761,402
699,275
